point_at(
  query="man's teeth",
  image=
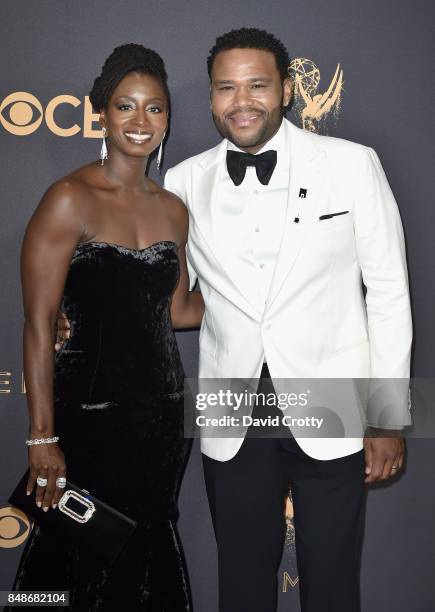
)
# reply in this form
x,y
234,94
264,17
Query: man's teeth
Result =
x,y
138,137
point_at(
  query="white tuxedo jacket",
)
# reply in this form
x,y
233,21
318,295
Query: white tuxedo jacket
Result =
x,y
316,323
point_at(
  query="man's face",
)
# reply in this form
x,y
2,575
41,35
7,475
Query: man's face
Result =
x,y
247,97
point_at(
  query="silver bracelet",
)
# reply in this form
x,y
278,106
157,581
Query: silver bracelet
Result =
x,y
42,440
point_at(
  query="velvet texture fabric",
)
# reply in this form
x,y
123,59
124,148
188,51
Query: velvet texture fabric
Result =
x,y
119,412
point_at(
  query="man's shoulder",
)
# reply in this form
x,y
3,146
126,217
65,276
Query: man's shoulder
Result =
x,y
342,152
333,144
200,158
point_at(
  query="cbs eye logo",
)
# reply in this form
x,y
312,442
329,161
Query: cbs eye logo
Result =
x,y
22,106
21,114
15,526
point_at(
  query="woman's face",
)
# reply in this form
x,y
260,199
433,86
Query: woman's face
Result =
x,y
136,116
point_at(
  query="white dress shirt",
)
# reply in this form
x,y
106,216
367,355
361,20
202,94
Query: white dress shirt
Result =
x,y
250,218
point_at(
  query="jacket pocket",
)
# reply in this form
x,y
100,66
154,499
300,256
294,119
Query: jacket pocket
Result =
x,y
331,215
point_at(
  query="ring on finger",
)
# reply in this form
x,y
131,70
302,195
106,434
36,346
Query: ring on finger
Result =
x,y
61,482
41,481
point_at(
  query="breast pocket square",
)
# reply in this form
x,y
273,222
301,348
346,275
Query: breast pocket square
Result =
x,y
330,215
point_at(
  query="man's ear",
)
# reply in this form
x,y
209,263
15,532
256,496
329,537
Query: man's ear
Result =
x,y
287,87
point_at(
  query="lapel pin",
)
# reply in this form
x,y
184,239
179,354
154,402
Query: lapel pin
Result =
x,y
303,195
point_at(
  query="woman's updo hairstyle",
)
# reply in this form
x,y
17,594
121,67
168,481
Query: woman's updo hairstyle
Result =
x,y
122,60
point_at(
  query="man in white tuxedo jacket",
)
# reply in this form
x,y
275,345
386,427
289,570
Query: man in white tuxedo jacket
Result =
x,y
285,227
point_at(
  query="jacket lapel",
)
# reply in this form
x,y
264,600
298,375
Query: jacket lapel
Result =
x,y
307,172
205,178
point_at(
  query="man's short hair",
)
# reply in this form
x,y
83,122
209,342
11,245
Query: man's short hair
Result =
x,y
251,38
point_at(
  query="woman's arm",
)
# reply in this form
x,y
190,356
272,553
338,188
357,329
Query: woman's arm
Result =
x,y
49,242
187,307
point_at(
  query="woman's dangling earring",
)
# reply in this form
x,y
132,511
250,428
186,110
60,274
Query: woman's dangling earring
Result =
x,y
160,154
103,153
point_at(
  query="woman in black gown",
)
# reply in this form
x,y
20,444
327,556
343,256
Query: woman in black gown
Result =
x,y
108,245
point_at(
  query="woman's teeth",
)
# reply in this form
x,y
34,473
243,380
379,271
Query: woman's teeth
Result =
x,y
138,138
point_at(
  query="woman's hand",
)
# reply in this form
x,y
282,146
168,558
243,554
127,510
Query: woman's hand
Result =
x,y
47,461
62,330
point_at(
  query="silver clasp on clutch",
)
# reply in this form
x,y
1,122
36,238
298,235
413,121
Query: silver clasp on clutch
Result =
x,y
80,518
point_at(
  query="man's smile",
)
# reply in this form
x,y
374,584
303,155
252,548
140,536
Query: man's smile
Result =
x,y
244,120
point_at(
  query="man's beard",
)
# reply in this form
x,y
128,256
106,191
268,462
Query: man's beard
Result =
x,y
271,123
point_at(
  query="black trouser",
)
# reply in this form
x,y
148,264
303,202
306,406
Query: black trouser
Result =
x,y
247,497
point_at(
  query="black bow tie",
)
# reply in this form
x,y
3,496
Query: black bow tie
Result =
x,y
264,163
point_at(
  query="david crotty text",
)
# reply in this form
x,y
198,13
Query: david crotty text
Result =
x,y
246,421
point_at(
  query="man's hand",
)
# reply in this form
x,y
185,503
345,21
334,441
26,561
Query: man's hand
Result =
x,y
62,330
383,455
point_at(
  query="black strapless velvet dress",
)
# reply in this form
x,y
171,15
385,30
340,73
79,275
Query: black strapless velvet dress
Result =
x,y
119,412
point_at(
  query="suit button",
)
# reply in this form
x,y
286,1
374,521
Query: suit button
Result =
x,y
267,326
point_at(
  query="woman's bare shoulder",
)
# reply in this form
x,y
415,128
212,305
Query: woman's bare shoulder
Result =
x,y
67,200
70,191
176,208
172,201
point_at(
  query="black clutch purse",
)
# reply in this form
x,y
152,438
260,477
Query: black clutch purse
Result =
x,y
87,520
